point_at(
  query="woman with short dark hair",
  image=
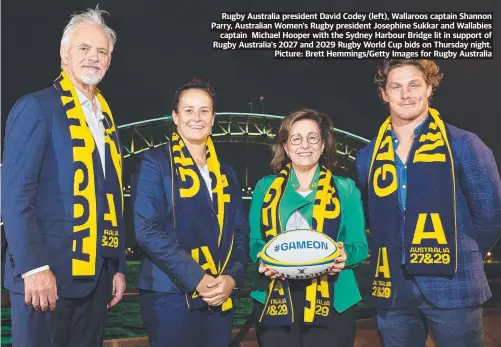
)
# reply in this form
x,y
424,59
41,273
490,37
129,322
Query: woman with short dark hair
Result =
x,y
190,223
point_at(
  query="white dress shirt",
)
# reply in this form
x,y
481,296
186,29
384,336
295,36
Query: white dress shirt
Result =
x,y
95,122
296,220
204,171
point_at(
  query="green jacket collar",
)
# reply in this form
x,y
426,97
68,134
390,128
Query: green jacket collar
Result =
x,y
294,182
292,200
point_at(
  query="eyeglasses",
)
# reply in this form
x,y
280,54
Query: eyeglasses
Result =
x,y
297,139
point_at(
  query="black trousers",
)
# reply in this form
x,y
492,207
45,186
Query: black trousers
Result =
x,y
74,322
339,333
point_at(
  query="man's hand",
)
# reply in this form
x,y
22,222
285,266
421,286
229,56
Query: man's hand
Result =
x,y
40,290
202,286
339,262
219,290
119,286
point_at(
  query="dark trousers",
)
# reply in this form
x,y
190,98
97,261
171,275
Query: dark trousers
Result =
x,y
169,323
408,325
74,322
339,333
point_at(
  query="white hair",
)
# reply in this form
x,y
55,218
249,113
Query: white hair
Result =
x,y
91,16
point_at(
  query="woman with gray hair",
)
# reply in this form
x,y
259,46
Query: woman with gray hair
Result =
x,y
62,199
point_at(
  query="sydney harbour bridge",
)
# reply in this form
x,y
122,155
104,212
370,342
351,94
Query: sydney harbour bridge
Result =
x,y
241,139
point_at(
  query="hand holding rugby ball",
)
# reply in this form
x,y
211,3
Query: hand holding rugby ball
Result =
x,y
300,254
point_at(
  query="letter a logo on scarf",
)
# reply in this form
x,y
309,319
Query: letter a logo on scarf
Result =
x,y
429,219
91,230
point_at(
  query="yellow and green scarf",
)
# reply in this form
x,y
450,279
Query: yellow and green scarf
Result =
x,y
91,229
429,220
278,308
204,227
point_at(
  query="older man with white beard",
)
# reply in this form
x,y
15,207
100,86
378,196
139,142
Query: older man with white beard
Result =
x,y
62,201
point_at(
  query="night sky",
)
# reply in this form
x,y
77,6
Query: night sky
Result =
x,y
161,44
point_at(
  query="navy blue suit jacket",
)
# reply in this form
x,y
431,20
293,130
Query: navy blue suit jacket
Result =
x,y
478,206
37,194
167,267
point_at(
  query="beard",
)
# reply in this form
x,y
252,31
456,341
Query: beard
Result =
x,y
91,79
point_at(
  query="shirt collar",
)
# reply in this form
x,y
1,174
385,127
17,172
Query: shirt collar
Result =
x,y
85,102
294,182
416,131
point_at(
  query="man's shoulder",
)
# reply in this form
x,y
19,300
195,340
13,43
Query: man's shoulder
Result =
x,y
44,96
34,106
458,134
364,154
460,137
367,150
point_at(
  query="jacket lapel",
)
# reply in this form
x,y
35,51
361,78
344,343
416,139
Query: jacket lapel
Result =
x,y
98,167
292,200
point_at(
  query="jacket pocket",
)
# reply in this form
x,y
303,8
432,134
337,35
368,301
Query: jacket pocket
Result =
x,y
62,228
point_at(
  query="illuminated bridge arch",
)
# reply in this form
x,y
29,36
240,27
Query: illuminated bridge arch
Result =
x,y
241,129
229,127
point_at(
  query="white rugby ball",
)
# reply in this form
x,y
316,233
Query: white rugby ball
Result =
x,y
300,254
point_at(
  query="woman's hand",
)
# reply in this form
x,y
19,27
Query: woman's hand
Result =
x,y
339,262
219,290
272,274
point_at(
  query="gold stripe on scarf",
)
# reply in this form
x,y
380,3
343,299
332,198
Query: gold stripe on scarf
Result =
x,y
116,153
185,166
221,183
325,197
84,190
87,193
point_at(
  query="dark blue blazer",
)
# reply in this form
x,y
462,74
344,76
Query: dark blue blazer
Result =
x,y
478,206
37,194
167,267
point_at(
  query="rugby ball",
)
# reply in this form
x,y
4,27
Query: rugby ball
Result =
x,y
300,254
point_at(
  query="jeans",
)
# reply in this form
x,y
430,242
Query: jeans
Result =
x,y
409,326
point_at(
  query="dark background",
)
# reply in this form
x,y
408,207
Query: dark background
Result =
x,y
161,44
